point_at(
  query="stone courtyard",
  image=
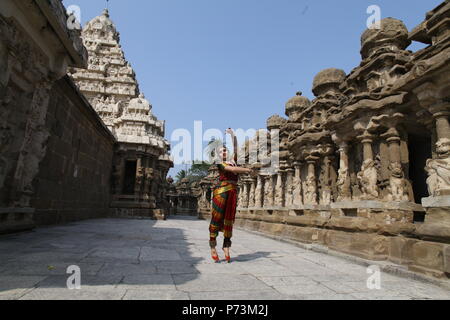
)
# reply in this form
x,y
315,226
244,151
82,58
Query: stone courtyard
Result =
x,y
154,260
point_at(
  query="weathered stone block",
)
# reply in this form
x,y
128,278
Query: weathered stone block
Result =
x,y
447,259
400,250
428,254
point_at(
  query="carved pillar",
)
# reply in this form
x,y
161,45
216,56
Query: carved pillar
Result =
x,y
325,180
398,186
245,196
289,187
442,123
367,140
439,168
310,190
368,176
297,197
33,147
268,191
344,183
240,195
251,202
279,190
139,178
259,192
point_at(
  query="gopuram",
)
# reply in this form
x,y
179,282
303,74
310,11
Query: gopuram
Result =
x,y
141,158
69,153
364,168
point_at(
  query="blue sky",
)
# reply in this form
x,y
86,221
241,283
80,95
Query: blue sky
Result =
x,y
235,63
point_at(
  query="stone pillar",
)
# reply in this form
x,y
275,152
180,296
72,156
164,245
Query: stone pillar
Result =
x,y
439,168
310,190
344,183
368,176
279,190
239,195
259,192
139,178
398,186
367,140
251,202
325,192
442,123
297,196
289,187
245,196
268,191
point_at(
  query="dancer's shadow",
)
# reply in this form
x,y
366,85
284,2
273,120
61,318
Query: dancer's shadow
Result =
x,y
251,256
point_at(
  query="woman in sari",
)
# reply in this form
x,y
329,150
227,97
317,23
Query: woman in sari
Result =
x,y
225,200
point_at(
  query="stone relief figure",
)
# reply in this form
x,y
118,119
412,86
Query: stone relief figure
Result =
x,y
251,202
368,178
139,179
343,185
325,183
268,192
297,189
439,169
398,185
149,175
310,190
258,192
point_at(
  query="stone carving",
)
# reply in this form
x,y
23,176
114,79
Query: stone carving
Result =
x,y
398,185
297,193
259,192
279,191
310,190
251,201
368,178
439,169
268,191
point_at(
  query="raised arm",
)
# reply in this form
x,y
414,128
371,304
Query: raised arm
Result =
x,y
235,144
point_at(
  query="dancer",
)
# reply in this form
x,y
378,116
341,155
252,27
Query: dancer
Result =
x,y
225,200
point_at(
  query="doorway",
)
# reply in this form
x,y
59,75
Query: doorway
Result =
x,y
130,177
419,152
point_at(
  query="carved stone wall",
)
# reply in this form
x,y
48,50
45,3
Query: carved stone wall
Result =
x,y
353,161
36,47
74,177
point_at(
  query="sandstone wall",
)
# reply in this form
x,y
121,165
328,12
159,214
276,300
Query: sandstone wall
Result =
x,y
74,177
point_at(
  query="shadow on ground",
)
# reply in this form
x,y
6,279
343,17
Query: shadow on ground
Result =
x,y
114,256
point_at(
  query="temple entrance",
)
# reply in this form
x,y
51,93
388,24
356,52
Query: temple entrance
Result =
x,y
129,178
419,152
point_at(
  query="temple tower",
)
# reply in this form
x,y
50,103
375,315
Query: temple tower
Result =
x,y
142,160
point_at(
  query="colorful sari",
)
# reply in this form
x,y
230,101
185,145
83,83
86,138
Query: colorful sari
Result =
x,y
224,203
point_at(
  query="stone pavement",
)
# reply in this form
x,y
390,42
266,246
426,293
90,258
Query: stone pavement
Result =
x,y
143,259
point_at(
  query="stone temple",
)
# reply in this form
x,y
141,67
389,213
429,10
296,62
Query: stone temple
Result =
x,y
365,166
141,159
78,140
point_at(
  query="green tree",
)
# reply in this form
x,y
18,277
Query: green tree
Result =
x,y
181,175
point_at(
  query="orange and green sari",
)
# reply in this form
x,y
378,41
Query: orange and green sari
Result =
x,y
224,203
